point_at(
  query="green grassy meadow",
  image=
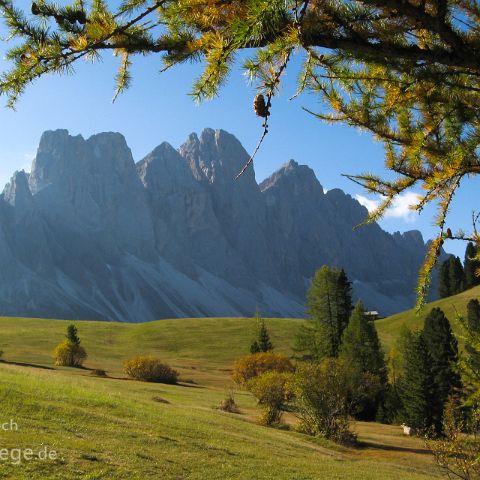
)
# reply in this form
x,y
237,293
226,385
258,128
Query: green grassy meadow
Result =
x,y
388,328
115,428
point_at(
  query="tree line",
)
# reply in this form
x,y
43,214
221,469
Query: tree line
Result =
x,y
454,277
341,372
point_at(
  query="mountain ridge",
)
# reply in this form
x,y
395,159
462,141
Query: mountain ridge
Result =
x,y
90,233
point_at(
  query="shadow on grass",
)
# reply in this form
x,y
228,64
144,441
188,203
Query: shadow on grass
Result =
x,y
391,448
22,364
182,383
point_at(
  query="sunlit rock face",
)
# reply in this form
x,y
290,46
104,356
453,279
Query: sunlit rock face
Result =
x,y
89,233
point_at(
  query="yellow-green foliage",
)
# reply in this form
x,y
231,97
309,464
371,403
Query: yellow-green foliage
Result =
x,y
150,369
322,392
272,390
250,366
69,354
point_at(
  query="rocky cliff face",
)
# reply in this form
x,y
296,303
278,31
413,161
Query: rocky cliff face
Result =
x,y
90,234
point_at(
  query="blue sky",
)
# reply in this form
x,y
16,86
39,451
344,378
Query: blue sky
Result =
x,y
157,108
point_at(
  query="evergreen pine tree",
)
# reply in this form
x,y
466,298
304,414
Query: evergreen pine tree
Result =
x,y
264,341
416,388
473,315
444,280
72,335
254,347
455,275
473,333
360,344
329,307
471,265
443,351
344,301
361,350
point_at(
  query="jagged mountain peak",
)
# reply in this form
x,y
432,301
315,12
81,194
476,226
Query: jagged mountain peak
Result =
x,y
91,234
216,156
165,149
65,160
164,169
298,180
17,191
56,136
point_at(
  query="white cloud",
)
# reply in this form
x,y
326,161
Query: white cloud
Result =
x,y
400,207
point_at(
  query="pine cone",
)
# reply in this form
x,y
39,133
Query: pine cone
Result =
x,y
81,17
72,17
35,9
260,107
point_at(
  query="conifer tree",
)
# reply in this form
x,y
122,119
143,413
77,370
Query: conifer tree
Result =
x,y
69,352
451,278
456,275
263,342
72,335
416,388
329,307
344,300
360,344
472,344
473,315
443,350
444,279
254,347
470,266
362,352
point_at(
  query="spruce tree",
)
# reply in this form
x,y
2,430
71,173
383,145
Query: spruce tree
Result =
x,y
329,307
344,301
471,265
473,334
456,275
360,344
361,350
416,388
444,280
443,350
72,335
473,315
254,347
451,278
264,341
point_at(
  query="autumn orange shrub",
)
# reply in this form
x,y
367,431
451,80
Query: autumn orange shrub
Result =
x,y
250,366
150,369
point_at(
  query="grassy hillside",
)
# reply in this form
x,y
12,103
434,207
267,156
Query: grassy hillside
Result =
x,y
118,429
114,428
388,328
201,348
